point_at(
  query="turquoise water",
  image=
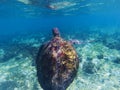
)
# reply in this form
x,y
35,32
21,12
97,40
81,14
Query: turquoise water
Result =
x,y
27,24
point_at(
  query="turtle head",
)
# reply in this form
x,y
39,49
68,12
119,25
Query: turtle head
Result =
x,y
56,32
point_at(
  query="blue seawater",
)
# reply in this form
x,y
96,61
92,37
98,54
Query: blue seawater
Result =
x,y
27,24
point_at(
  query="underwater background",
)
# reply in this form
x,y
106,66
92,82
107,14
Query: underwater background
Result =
x,y
27,24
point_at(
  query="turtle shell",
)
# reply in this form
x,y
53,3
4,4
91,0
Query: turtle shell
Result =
x,y
57,63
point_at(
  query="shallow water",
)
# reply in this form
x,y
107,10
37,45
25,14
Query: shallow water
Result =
x,y
25,25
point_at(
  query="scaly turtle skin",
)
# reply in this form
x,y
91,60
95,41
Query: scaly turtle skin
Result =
x,y
57,63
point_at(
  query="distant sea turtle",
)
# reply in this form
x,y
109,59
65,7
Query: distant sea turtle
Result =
x,y
57,63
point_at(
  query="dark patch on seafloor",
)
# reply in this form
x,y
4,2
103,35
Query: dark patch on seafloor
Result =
x,y
117,60
13,50
111,41
8,85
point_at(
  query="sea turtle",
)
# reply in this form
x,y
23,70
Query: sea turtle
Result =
x,y
57,63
